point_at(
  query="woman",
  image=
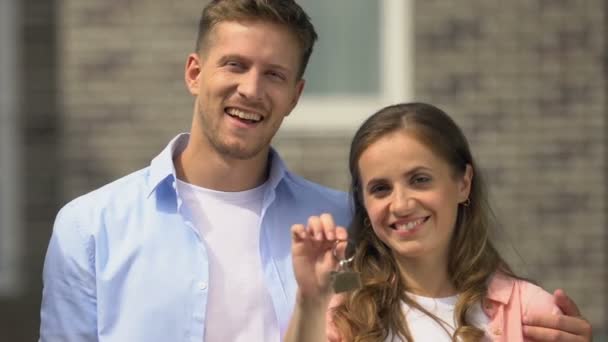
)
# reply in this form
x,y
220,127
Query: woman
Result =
x,y
420,228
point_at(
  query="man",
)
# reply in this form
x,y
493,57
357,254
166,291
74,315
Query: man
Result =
x,y
197,245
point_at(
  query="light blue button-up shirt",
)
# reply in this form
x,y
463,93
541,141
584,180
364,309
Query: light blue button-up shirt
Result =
x,y
125,264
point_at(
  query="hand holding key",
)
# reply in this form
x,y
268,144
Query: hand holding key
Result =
x,y
316,255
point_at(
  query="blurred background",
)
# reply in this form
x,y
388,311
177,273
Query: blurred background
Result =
x,y
91,90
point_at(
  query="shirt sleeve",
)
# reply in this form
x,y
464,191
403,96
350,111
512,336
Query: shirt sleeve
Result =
x,y
68,311
537,301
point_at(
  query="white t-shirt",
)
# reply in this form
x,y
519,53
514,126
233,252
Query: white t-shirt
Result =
x,y
424,328
239,306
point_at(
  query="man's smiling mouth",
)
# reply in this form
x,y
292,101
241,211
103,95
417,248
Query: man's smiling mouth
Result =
x,y
240,114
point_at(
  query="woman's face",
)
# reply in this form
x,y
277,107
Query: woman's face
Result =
x,y
411,195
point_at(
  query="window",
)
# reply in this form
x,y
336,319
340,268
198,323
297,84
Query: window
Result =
x,y
361,62
9,200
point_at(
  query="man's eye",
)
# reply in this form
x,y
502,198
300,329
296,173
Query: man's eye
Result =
x,y
234,64
276,75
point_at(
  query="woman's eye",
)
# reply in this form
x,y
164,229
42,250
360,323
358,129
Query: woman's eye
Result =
x,y
421,179
378,189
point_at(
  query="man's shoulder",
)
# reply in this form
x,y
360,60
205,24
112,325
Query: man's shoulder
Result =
x,y
303,198
308,187
124,191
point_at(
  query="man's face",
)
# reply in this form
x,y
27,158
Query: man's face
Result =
x,y
245,82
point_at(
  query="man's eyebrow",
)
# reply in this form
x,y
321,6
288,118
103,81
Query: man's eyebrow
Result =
x,y
278,66
274,66
225,58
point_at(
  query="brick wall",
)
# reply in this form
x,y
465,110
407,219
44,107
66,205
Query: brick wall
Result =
x,y
122,84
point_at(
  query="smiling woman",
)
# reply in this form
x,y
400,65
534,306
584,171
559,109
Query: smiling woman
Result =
x,y
421,232
9,200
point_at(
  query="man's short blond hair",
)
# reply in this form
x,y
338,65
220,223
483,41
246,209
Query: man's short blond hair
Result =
x,y
282,12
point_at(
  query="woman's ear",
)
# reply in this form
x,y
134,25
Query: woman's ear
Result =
x,y
465,183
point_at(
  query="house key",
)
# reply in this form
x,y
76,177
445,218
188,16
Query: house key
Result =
x,y
345,279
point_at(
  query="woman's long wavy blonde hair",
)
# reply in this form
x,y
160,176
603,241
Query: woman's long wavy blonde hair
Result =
x,y
374,312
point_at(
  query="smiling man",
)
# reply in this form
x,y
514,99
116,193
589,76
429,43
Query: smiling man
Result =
x,y
196,246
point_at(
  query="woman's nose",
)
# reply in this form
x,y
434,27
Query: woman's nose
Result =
x,y
403,203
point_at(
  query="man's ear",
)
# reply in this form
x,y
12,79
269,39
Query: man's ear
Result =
x,y
192,72
298,92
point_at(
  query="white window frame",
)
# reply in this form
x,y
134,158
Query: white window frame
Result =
x,y
10,225
339,112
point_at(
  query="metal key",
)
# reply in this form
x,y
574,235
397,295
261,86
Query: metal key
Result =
x,y
344,279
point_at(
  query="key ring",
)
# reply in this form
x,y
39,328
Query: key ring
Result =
x,y
345,279
342,262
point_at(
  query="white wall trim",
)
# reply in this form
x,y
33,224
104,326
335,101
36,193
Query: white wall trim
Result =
x,y
10,200
322,113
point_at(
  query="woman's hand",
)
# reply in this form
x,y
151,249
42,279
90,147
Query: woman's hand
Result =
x,y
313,256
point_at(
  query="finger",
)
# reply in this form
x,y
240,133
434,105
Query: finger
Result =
x,y
329,227
567,305
298,232
315,228
342,244
341,233
545,334
558,324
340,249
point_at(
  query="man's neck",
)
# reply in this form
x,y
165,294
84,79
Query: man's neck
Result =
x,y
218,172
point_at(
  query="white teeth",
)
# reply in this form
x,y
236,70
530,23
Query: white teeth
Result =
x,y
409,225
244,115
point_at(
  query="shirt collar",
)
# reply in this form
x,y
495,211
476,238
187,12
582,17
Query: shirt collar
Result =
x,y
278,169
162,165
500,288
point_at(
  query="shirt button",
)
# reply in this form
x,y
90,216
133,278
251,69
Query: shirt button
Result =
x,y
497,331
202,286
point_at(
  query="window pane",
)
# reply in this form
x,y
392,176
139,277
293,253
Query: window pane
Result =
x,y
346,58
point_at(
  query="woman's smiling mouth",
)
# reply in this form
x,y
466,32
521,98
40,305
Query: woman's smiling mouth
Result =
x,y
409,226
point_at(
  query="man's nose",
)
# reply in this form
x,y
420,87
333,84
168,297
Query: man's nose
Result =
x,y
250,86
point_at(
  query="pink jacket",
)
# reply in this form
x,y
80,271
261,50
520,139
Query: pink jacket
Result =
x,y
507,302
